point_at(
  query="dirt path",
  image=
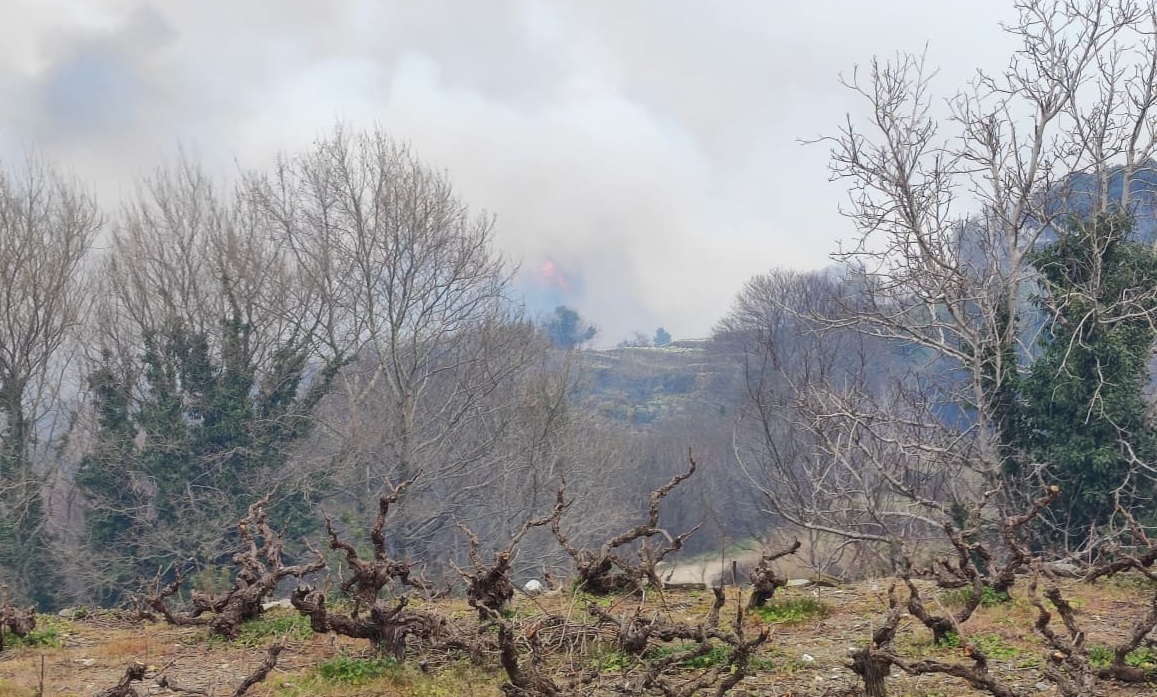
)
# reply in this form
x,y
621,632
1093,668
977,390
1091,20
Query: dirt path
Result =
x,y
708,571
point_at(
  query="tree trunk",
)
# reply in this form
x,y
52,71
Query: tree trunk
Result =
x,y
873,669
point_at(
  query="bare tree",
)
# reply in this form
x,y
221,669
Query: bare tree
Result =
x,y
421,299
47,226
804,464
949,199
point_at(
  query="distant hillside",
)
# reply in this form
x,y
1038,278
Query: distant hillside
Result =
x,y
647,385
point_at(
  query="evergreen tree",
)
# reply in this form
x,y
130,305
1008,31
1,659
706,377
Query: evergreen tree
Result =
x,y
567,330
1082,408
183,448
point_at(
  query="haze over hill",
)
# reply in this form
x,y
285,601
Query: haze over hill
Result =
x,y
650,153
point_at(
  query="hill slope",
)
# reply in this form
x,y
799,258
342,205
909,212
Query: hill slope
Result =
x,y
646,386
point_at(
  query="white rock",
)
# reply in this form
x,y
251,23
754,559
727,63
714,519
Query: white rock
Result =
x,y
283,603
1065,569
807,658
533,587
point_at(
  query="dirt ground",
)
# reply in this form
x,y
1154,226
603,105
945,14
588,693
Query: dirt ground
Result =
x,y
806,655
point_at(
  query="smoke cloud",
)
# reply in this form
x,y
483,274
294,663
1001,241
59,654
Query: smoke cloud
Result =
x,y
647,150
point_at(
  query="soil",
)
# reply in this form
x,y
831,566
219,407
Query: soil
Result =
x,y
806,655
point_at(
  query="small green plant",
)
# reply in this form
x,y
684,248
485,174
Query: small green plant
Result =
x,y
271,625
713,657
951,640
1100,656
459,678
1131,582
356,671
794,611
994,646
606,657
716,655
611,662
48,633
989,597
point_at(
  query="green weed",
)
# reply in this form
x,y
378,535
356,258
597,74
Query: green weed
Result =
x,y
989,597
990,643
356,671
794,611
716,655
295,627
606,657
611,662
47,634
713,657
353,678
271,625
994,646
1100,656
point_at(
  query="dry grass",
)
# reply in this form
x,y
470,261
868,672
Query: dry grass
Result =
x,y
128,645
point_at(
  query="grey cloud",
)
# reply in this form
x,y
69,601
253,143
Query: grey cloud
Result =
x,y
94,93
101,86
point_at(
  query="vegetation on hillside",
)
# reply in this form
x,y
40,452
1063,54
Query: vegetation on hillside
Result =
x,y
224,399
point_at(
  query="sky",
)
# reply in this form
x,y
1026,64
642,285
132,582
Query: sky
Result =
x,y
642,157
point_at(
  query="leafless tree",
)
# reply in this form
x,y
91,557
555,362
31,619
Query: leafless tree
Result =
x,y
47,226
418,293
808,466
948,197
